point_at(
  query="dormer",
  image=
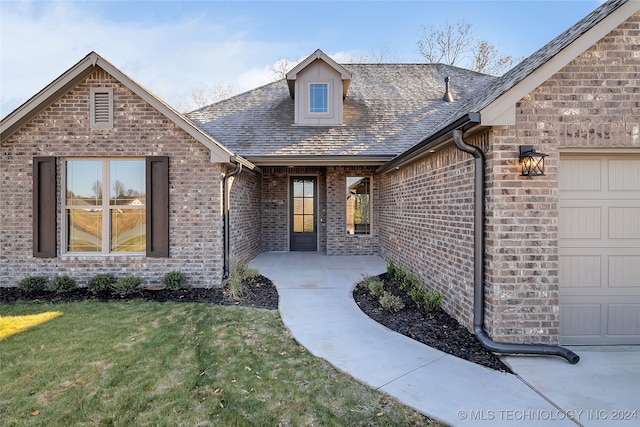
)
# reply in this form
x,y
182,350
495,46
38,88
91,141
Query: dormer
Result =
x,y
318,86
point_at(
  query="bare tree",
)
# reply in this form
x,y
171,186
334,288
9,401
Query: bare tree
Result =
x,y
202,95
280,68
455,44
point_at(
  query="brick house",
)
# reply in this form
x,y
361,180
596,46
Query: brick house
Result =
x,y
356,159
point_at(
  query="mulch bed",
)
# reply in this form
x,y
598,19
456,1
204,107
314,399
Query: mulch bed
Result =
x,y
259,292
439,330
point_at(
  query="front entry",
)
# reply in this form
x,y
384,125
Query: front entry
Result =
x,y
303,218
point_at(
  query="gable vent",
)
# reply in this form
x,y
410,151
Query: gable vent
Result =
x,y
101,105
101,108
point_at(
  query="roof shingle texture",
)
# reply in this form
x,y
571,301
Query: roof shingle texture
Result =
x,y
388,109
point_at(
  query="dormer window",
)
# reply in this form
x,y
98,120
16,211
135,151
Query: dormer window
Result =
x,y
318,86
319,98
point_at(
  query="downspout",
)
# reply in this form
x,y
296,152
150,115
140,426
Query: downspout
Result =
x,y
226,200
478,270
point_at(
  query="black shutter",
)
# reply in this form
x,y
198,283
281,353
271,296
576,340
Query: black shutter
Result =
x,y
157,170
44,207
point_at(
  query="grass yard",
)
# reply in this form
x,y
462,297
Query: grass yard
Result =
x,y
171,364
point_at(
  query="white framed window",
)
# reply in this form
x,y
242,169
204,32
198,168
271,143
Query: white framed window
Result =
x,y
358,205
318,98
101,108
104,206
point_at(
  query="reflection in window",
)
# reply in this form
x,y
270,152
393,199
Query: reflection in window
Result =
x,y
359,205
318,98
105,206
303,206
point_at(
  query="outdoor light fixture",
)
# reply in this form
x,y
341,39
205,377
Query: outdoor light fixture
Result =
x,y
532,161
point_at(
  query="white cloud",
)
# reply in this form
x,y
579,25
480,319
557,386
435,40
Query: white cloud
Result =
x,y
39,41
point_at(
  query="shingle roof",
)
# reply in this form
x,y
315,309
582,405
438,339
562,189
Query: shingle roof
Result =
x,y
389,108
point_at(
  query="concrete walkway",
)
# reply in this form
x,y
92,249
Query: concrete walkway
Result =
x,y
317,307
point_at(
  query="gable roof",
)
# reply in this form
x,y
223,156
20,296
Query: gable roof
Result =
x,y
86,66
315,56
390,107
497,106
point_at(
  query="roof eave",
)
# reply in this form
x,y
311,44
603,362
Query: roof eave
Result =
x,y
501,110
431,144
320,160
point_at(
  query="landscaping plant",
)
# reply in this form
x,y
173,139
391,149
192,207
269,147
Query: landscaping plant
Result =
x,y
127,286
33,284
101,283
62,284
174,280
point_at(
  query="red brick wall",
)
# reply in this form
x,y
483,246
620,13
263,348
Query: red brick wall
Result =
x,y
275,206
338,241
426,225
592,103
62,130
245,217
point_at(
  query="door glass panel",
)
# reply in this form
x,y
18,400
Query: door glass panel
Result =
x,y
303,206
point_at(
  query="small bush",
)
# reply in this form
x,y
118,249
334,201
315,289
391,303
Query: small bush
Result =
x,y
392,303
375,286
33,284
391,268
62,284
236,284
101,283
174,280
127,286
432,300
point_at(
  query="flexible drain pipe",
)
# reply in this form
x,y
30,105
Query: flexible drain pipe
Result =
x,y
478,270
227,201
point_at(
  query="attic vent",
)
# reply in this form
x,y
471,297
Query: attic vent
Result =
x,y
102,108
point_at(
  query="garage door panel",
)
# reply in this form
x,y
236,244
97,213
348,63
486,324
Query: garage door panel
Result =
x,y
580,222
579,175
624,271
624,174
580,320
599,249
580,271
623,319
624,222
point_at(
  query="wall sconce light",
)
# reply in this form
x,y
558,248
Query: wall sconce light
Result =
x,y
532,161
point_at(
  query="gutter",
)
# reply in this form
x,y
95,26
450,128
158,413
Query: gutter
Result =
x,y
226,200
478,270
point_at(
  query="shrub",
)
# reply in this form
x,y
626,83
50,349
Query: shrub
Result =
x,y
236,284
174,280
101,283
33,284
127,286
62,284
392,303
391,268
375,286
432,300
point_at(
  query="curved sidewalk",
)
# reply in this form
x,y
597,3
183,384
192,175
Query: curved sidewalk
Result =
x,y
317,307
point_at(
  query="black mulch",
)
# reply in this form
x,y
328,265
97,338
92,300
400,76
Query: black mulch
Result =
x,y
259,292
439,330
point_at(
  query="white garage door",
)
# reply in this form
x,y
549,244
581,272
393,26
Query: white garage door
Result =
x,y
599,249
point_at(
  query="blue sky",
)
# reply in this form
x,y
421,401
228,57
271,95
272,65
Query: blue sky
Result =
x,y
175,48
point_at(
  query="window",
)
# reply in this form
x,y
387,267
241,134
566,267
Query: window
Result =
x,y
358,205
318,98
101,108
105,206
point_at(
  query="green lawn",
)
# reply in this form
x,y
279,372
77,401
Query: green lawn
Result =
x,y
171,364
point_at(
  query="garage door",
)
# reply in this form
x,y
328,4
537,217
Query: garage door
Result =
x,y
599,249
